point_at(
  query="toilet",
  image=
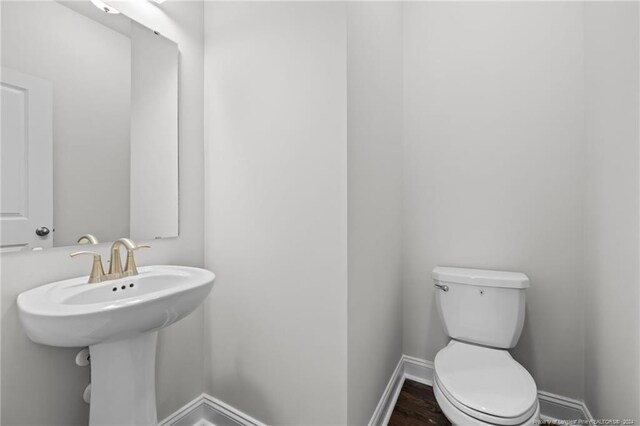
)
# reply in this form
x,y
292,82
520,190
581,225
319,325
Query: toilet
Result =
x,y
475,380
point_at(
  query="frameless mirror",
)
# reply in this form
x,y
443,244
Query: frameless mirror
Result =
x,y
89,126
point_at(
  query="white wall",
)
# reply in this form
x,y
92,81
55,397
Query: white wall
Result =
x,y
91,104
41,385
493,162
374,64
612,254
276,209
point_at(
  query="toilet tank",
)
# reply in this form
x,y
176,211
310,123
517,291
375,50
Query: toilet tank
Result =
x,y
481,306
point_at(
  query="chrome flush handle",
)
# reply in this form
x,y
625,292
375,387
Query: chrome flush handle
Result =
x,y
441,286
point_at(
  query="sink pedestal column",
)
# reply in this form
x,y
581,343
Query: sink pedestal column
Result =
x,y
123,384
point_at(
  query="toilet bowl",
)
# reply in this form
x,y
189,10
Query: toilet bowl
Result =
x,y
476,381
475,385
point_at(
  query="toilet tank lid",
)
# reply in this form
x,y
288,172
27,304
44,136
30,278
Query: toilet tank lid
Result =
x,y
480,277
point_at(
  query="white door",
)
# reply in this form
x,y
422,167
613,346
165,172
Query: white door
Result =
x,y
26,202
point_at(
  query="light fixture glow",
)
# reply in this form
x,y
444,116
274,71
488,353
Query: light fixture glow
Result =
x,y
104,7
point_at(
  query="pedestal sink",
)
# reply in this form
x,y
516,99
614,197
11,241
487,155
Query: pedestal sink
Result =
x,y
119,321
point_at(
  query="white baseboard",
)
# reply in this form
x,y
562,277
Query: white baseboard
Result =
x,y
206,410
222,414
552,406
418,370
558,407
389,396
189,415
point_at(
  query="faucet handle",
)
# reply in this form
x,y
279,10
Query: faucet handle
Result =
x,y
97,272
130,267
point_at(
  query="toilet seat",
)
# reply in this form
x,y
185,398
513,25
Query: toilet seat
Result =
x,y
486,384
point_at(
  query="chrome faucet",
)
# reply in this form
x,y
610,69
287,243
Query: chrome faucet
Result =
x,y
115,264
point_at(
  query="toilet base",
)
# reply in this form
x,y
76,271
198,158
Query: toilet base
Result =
x,y
458,418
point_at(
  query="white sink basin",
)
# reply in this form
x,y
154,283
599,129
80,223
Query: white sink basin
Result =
x,y
119,321
74,313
